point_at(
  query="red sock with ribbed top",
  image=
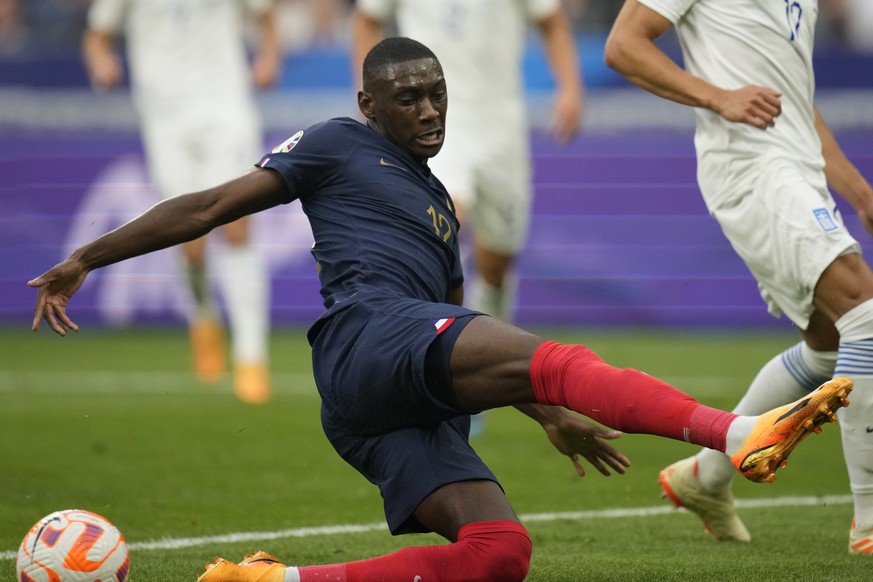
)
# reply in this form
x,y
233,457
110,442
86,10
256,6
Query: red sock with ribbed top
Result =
x,y
485,550
628,400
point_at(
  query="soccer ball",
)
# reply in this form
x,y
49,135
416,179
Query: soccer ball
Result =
x,y
73,546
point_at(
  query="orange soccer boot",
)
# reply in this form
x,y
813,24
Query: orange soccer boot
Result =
x,y
257,567
208,350
778,432
251,383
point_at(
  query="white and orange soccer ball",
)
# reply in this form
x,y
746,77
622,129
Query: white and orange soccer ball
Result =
x,y
73,545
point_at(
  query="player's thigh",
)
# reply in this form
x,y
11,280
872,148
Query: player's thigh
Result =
x,y
409,465
787,230
504,199
490,364
455,167
228,144
172,162
383,364
845,284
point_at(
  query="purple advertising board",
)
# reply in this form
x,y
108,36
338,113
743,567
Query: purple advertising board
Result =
x,y
619,236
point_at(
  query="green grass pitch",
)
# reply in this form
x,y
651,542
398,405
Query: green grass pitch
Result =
x,y
114,422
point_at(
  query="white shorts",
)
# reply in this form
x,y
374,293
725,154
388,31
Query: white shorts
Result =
x,y
787,229
200,148
490,180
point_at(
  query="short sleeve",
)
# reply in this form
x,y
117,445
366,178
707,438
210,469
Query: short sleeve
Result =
x,y
107,16
258,7
672,10
537,10
381,10
308,160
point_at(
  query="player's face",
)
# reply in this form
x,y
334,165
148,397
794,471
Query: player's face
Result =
x,y
408,106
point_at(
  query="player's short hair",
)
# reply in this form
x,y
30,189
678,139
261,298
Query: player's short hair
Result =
x,y
390,51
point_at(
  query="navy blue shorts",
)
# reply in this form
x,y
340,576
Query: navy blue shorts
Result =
x,y
382,370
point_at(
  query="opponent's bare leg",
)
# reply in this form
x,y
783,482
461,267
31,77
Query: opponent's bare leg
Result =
x,y
845,294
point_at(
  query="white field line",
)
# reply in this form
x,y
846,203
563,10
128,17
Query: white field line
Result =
x,y
302,532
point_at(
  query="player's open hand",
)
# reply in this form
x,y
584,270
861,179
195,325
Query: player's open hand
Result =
x,y
573,436
566,115
56,287
757,106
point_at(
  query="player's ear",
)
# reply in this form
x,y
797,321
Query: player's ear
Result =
x,y
366,104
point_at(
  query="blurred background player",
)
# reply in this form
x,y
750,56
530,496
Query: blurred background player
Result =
x,y
485,162
766,159
192,86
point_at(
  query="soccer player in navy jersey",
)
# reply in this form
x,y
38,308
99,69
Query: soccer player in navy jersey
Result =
x,y
400,365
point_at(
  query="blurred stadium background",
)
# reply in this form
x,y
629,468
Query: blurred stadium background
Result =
x,y
620,235
620,238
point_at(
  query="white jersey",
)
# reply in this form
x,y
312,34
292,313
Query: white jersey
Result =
x,y
480,44
733,43
859,28
182,53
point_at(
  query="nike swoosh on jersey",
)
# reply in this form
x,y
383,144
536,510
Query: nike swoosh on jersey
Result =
x,y
382,162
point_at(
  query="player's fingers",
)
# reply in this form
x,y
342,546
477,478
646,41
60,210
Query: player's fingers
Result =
x,y
53,322
756,121
580,470
596,461
38,282
57,318
38,311
65,319
565,127
615,459
619,463
608,433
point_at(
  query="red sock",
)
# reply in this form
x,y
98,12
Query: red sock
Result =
x,y
628,400
485,550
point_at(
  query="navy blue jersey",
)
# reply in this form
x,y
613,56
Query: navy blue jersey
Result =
x,y
386,247
382,223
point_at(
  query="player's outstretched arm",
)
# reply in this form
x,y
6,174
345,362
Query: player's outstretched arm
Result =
x,y
573,436
168,223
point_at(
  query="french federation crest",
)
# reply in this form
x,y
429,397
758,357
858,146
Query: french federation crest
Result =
x,y
288,144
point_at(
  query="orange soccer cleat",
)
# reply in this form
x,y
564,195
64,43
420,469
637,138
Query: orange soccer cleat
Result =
x,y
251,383
778,432
208,350
257,567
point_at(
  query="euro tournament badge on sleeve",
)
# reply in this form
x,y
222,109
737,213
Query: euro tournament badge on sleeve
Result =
x,y
288,144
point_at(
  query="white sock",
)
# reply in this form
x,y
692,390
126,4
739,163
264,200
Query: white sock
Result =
x,y
292,574
855,361
785,378
498,302
246,286
737,433
201,294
